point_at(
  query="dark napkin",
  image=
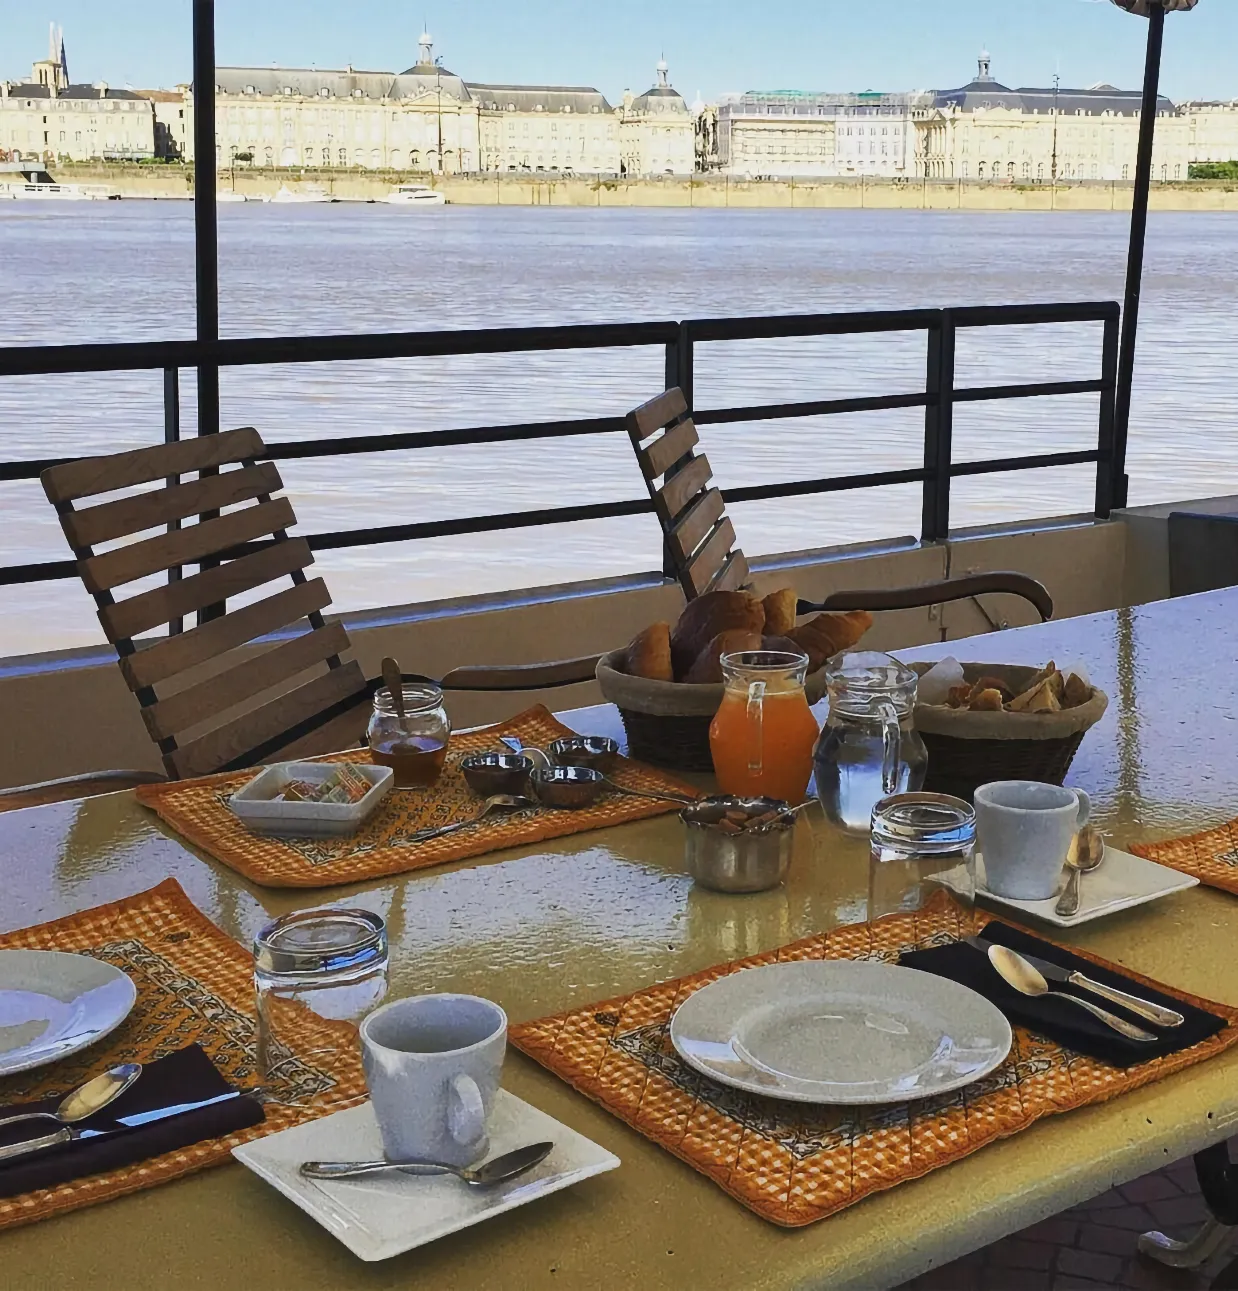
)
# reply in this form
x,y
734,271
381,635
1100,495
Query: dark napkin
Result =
x,y
1070,1026
187,1076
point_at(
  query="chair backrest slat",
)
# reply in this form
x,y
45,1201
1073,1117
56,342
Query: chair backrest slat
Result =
x,y
92,475
185,650
734,576
696,523
667,449
251,676
700,540
198,542
710,560
132,515
681,488
148,610
659,412
244,735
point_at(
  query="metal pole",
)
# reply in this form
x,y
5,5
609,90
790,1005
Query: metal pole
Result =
x,y
1134,261
206,237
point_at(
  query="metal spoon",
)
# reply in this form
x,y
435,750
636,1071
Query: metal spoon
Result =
x,y
84,1101
1086,851
497,802
394,681
497,1170
540,758
1017,972
657,797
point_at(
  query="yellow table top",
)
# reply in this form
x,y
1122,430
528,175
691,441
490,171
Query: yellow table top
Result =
x,y
542,928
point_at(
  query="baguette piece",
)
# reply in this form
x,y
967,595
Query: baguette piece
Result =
x,y
779,609
649,654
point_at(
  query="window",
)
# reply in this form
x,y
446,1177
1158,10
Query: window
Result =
x,y
343,156
1126,172
1177,169
1009,170
1027,170
1093,172
980,170
1040,172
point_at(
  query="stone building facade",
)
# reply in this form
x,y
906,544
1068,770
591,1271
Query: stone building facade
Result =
x,y
986,131
50,119
570,129
657,131
1212,130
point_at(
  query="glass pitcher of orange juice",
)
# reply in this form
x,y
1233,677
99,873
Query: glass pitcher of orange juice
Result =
x,y
763,733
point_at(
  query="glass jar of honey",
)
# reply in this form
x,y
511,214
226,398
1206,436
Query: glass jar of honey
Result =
x,y
414,746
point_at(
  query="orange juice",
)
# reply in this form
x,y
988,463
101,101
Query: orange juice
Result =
x,y
771,755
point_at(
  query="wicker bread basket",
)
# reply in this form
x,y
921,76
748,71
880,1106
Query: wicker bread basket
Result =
x,y
667,722
967,749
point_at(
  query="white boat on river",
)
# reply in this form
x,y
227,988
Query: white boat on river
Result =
x,y
26,181
415,195
287,194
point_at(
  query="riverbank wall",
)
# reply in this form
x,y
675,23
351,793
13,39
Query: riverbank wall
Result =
x,y
709,191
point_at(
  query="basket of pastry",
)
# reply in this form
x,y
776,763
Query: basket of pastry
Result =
x,y
986,721
667,683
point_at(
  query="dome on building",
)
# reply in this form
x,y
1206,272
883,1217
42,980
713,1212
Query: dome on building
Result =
x,y
425,74
660,98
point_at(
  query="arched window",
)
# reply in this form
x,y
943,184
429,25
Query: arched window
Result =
x,y
1040,172
343,156
397,159
309,156
980,170
1027,170
414,160
376,157
1126,172
1164,173
288,157
1010,170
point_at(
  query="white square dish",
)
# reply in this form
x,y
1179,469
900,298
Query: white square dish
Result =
x,y
258,807
382,1215
1122,881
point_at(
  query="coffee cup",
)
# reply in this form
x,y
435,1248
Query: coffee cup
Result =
x,y
1023,831
432,1064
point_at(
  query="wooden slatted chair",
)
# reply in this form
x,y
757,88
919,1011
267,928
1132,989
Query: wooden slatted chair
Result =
x,y
700,539
210,700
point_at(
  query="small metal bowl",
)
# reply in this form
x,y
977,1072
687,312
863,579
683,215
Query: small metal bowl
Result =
x,y
570,787
748,861
489,773
594,751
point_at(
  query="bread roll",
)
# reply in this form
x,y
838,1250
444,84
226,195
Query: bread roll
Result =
x,y
649,654
705,617
986,701
707,666
824,635
779,609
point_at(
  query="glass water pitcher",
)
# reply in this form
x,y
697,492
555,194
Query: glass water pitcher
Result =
x,y
868,748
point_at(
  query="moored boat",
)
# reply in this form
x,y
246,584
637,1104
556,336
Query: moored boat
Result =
x,y
415,195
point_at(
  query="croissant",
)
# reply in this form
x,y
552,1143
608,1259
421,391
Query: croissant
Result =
x,y
649,654
779,609
824,635
707,666
705,617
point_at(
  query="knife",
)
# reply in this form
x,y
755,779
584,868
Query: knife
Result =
x,y
115,1125
1141,1008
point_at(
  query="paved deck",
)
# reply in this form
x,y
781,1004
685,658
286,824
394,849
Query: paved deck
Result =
x,y
1092,1245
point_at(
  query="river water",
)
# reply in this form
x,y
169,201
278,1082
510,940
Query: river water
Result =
x,y
122,271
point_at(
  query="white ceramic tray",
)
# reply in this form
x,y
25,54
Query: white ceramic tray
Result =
x,y
257,806
1122,881
383,1215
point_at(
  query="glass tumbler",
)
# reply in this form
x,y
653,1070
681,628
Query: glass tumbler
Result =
x,y
921,844
316,974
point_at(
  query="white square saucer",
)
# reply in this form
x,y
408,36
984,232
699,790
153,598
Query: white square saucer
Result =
x,y
1122,881
383,1215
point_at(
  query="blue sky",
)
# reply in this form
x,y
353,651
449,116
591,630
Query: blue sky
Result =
x,y
711,45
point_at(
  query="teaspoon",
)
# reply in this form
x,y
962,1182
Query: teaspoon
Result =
x,y
496,1170
497,802
1087,850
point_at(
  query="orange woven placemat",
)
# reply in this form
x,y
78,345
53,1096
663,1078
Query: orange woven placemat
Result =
x,y
198,809
793,1163
1211,856
195,985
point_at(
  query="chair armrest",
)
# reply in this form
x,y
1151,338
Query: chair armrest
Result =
x,y
86,785
522,676
946,589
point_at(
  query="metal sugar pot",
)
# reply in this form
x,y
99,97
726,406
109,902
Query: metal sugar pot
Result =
x,y
868,748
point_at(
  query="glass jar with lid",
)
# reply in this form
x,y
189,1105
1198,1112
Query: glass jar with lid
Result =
x,y
921,844
414,745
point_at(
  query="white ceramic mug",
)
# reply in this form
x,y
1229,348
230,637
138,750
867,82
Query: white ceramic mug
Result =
x,y
1023,831
432,1063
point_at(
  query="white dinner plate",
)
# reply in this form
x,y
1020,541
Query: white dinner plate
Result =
x,y
52,1004
378,1216
1122,881
840,1031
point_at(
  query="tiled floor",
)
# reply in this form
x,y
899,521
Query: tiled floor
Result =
x,y
1092,1245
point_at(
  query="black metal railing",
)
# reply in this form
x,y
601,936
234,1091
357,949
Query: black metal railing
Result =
x,y
679,341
